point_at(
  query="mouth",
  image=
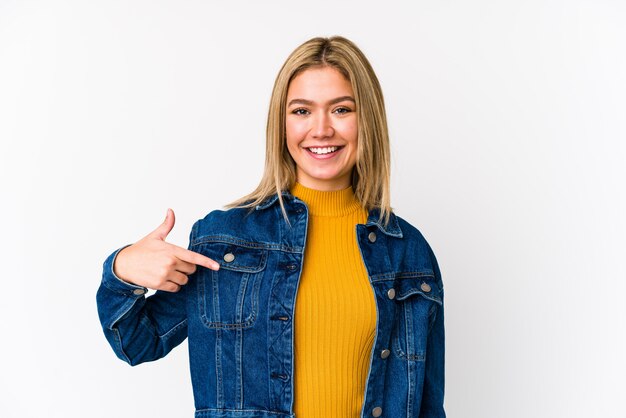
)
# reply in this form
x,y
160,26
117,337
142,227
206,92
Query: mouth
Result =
x,y
324,150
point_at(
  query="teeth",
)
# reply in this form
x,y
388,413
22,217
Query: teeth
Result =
x,y
325,150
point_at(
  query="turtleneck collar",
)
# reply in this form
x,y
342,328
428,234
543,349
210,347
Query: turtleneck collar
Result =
x,y
327,203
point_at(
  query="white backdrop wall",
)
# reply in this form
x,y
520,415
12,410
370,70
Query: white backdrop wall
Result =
x,y
508,140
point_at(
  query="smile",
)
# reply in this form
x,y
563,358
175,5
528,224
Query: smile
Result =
x,y
323,150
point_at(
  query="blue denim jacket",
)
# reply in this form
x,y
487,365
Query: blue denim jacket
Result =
x,y
239,319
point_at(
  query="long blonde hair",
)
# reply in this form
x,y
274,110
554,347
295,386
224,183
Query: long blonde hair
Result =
x,y
370,177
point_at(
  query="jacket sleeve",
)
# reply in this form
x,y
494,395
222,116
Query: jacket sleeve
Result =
x,y
432,397
139,328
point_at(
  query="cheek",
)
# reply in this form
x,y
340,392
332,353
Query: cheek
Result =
x,y
351,133
291,141
295,129
348,128
295,133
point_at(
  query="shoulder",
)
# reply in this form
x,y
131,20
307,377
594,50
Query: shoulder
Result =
x,y
410,232
238,223
226,215
412,237
416,248
221,220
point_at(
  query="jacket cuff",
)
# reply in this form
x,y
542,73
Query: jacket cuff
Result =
x,y
117,285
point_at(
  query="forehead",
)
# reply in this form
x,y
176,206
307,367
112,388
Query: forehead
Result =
x,y
319,82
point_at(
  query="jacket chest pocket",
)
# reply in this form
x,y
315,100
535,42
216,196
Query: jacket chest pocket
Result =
x,y
417,299
228,298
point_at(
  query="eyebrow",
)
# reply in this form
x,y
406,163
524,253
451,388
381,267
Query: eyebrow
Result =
x,y
331,102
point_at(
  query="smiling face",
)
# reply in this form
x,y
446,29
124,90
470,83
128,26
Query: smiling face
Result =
x,y
321,127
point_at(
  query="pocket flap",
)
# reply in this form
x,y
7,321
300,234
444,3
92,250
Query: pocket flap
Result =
x,y
234,257
425,286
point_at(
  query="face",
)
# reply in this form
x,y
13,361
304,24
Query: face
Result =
x,y
321,125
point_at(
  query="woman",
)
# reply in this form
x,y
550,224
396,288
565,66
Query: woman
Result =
x,y
308,297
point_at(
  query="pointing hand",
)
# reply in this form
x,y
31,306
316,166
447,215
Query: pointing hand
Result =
x,y
153,263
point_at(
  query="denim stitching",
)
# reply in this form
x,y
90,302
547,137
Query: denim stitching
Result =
x,y
415,291
240,410
122,312
218,368
238,343
175,328
239,366
216,296
407,310
225,239
404,356
118,339
235,265
123,292
243,285
411,389
217,324
398,349
401,275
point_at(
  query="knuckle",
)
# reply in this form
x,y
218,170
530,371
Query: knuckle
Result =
x,y
168,287
170,262
158,284
163,272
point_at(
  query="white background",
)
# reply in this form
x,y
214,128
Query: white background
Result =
x,y
508,141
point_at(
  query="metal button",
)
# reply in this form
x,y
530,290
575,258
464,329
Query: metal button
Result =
x,y
425,287
391,293
139,292
385,353
378,411
228,257
372,236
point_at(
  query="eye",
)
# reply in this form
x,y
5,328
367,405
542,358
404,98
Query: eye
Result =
x,y
300,111
343,110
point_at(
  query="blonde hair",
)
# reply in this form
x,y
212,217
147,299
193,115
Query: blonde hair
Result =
x,y
371,174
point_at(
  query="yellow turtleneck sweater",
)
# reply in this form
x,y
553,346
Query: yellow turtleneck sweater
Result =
x,y
335,314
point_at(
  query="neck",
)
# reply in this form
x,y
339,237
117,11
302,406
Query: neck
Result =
x,y
327,203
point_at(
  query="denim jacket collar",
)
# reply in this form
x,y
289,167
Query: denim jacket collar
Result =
x,y
392,228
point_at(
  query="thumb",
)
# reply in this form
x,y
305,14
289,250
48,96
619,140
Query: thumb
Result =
x,y
165,228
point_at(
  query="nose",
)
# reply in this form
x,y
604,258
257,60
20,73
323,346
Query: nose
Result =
x,y
322,126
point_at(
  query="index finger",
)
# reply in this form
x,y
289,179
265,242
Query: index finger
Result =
x,y
196,258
